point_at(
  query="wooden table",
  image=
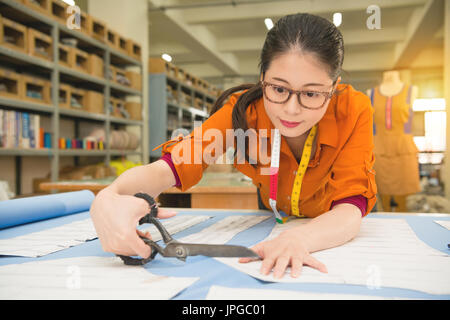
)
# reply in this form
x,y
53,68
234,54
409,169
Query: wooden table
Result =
x,y
215,190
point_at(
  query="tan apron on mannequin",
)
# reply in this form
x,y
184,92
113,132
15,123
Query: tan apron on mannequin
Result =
x,y
396,161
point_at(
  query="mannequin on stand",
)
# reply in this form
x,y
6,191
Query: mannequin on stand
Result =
x,y
396,163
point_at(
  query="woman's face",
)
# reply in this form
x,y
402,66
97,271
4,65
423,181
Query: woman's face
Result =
x,y
296,71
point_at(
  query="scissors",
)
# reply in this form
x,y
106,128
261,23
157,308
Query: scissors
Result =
x,y
178,249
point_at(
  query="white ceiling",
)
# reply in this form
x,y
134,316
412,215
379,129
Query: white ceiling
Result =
x,y
216,39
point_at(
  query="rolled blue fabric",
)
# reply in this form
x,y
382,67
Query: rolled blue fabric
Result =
x,y
20,211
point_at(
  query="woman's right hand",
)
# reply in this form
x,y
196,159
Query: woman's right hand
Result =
x,y
115,219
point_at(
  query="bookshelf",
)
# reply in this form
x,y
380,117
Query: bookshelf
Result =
x,y
59,75
176,101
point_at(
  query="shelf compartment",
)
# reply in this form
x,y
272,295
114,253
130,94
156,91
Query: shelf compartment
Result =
x,y
97,28
120,77
84,20
79,60
112,38
58,10
122,44
13,35
11,84
64,55
36,89
40,45
117,108
134,49
77,99
64,96
42,6
80,78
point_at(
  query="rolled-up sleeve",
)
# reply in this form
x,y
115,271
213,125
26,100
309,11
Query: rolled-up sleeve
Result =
x,y
352,173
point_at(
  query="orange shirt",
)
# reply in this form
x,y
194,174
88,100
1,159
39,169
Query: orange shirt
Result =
x,y
342,165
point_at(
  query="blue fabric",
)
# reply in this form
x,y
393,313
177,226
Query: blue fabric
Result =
x,y
25,210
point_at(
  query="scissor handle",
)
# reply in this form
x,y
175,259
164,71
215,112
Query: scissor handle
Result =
x,y
138,261
149,218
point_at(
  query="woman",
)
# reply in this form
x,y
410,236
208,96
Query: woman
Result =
x,y
323,170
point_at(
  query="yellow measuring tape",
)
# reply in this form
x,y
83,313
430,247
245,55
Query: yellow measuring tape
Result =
x,y
297,187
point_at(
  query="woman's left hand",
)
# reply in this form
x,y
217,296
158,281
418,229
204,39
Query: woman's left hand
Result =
x,y
288,249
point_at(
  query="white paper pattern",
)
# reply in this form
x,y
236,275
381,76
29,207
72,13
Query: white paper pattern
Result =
x,y
444,223
86,278
224,230
40,243
224,293
386,253
175,224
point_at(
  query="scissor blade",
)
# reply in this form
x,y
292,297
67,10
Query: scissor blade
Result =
x,y
209,250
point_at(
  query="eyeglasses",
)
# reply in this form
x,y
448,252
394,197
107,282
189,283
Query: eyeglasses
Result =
x,y
308,99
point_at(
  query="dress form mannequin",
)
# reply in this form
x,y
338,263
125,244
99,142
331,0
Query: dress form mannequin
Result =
x,y
397,165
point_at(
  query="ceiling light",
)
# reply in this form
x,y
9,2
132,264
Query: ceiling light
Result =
x,y
70,2
337,19
269,23
166,57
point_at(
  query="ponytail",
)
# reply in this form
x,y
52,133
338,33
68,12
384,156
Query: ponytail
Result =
x,y
239,117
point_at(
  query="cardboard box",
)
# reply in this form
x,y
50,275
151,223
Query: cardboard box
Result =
x,y
181,74
84,23
65,53
79,60
94,102
112,38
122,45
134,109
36,89
64,96
135,80
96,28
58,11
13,35
41,6
77,99
39,44
134,49
159,65
95,65
11,84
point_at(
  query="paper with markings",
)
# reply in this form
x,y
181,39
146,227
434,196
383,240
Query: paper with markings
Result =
x,y
40,243
224,293
175,224
44,242
444,223
224,230
86,278
385,253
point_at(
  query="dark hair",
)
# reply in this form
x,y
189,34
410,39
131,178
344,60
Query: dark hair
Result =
x,y
301,32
